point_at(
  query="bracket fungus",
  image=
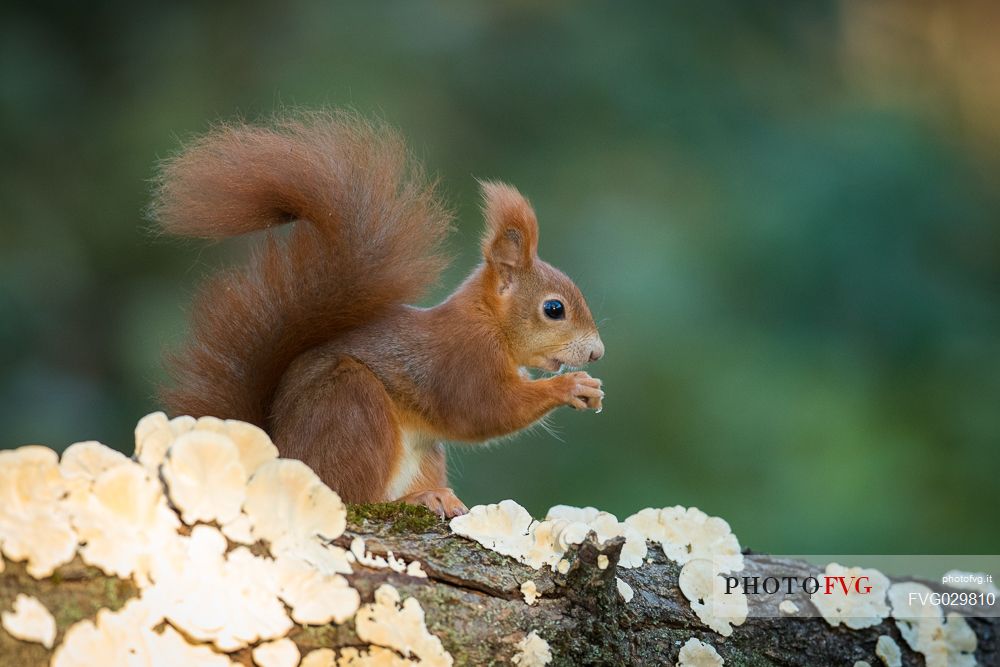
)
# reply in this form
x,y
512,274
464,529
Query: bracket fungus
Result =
x,y
699,582
532,651
508,529
170,648
360,555
110,639
858,606
30,621
314,598
230,599
83,462
888,651
238,530
320,657
127,637
124,521
399,625
253,446
279,653
204,476
205,462
606,526
199,597
373,656
547,541
290,508
788,607
945,641
624,589
254,558
696,653
153,436
687,534
504,527
530,592
34,522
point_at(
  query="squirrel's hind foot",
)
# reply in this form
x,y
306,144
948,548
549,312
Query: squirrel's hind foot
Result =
x,y
442,502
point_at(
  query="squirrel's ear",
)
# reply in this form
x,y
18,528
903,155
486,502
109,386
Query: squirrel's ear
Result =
x,y
511,239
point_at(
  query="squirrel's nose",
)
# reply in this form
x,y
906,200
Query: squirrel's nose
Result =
x,y
597,351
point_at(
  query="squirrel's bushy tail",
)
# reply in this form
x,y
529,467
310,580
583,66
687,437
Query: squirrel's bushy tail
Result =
x,y
367,234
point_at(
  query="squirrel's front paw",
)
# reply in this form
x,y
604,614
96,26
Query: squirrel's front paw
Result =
x,y
581,391
442,502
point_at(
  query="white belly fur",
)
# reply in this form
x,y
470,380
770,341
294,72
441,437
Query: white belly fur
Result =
x,y
414,447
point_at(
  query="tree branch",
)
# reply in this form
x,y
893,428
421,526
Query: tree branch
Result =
x,y
473,602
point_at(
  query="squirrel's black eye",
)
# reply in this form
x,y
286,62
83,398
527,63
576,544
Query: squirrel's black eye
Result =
x,y
553,309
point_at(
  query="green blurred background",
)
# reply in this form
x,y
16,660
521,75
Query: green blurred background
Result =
x,y
786,215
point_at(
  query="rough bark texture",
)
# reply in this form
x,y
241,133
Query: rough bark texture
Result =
x,y
473,602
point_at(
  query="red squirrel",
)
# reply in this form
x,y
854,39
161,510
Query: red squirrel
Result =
x,y
312,339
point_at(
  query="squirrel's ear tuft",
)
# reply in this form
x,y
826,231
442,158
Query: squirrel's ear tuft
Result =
x,y
511,239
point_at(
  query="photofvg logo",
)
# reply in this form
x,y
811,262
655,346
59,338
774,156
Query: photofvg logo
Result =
x,y
790,585
976,581
903,587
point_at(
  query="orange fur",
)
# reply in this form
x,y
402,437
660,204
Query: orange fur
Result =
x,y
312,339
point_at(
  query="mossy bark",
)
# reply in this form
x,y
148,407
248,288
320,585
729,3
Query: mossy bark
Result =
x,y
473,602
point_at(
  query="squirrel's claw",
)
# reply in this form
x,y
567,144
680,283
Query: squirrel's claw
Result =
x,y
442,502
584,392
